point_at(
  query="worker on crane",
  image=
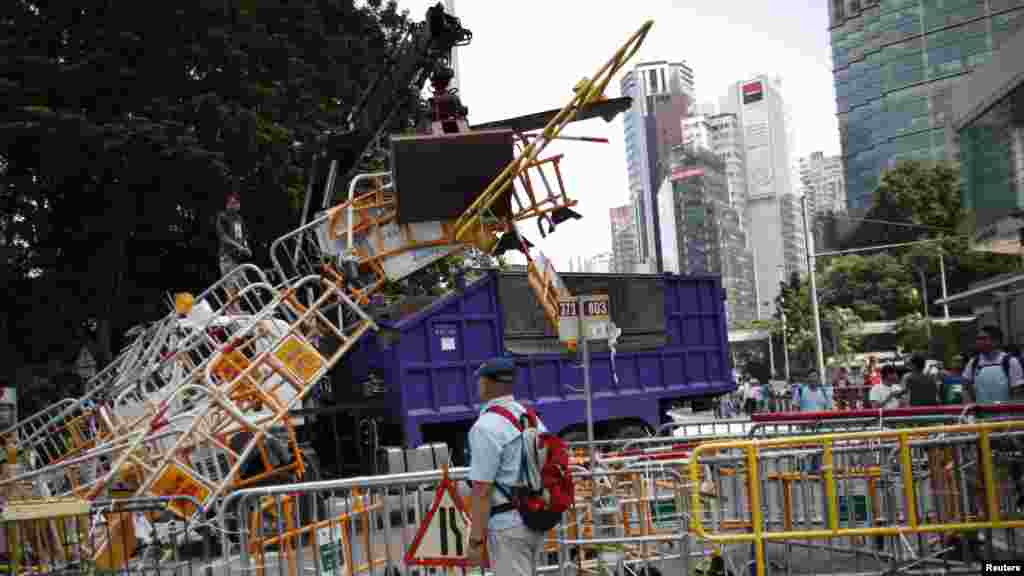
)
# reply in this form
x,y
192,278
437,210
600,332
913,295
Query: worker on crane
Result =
x,y
234,246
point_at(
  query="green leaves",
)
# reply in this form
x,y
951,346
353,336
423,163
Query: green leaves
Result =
x,y
125,123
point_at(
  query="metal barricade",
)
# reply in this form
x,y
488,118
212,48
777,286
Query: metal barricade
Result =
x,y
893,500
350,526
71,537
371,524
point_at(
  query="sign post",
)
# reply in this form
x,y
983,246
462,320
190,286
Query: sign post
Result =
x,y
585,318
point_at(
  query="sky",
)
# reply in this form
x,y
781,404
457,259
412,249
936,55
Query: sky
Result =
x,y
526,56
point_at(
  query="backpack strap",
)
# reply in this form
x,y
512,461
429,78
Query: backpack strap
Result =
x,y
507,415
529,414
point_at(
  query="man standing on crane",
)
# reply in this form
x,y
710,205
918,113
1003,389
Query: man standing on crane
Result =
x,y
234,246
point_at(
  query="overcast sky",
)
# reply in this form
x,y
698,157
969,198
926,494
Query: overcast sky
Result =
x,y
526,56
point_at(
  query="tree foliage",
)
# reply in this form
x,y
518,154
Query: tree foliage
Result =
x,y
839,324
123,125
875,287
927,194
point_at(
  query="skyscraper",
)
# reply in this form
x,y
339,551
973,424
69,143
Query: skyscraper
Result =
x,y
702,232
662,92
767,143
624,240
599,263
895,64
821,181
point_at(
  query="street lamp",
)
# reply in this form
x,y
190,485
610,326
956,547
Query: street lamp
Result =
x,y
816,317
771,345
920,264
782,313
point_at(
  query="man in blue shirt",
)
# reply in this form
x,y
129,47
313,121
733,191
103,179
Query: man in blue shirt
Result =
x,y
814,398
988,378
495,459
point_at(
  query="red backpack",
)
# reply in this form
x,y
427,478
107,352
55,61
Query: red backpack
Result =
x,y
547,489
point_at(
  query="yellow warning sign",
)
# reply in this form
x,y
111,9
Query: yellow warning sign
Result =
x,y
176,482
301,358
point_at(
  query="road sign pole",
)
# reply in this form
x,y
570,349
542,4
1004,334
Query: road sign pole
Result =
x,y
587,392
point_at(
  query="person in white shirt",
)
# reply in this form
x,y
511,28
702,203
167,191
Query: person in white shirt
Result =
x,y
886,394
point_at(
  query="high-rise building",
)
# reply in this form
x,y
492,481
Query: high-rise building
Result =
x,y
723,135
821,181
599,263
895,64
702,232
767,143
624,240
662,93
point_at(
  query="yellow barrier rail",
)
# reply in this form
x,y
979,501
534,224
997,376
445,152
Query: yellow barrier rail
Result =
x,y
588,91
911,523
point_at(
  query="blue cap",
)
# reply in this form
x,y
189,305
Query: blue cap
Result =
x,y
498,368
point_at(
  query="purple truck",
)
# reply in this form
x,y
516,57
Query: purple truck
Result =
x,y
412,382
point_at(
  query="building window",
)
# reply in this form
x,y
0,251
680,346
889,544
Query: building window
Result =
x,y
653,75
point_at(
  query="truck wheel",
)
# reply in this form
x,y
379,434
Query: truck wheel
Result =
x,y
575,436
631,432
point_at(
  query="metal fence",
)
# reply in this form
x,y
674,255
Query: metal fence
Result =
x,y
894,500
71,537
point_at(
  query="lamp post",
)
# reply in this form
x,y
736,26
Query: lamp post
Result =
x,y
920,263
782,313
814,294
771,348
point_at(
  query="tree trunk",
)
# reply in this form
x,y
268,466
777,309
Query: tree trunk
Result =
x,y
104,326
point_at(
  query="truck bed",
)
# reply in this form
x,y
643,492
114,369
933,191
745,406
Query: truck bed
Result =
x,y
674,347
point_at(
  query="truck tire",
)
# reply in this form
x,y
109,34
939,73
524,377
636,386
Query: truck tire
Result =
x,y
575,435
631,432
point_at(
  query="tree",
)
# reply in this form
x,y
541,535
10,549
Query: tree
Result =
x,y
839,324
927,194
124,123
875,287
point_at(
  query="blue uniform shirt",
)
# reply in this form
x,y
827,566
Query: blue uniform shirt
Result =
x,y
495,449
817,399
990,380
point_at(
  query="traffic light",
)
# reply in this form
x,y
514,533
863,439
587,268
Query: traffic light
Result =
x,y
572,345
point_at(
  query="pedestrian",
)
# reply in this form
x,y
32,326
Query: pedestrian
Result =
x,y
499,538
872,375
885,394
812,397
841,389
989,378
234,245
952,381
922,388
749,397
991,374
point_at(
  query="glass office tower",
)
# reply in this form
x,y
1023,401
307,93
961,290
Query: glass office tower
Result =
x,y
895,64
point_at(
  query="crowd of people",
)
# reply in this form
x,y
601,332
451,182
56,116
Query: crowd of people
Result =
x,y
990,373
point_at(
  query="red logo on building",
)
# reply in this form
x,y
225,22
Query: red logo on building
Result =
x,y
684,173
752,92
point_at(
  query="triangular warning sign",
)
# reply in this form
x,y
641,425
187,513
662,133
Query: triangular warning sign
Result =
x,y
443,536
